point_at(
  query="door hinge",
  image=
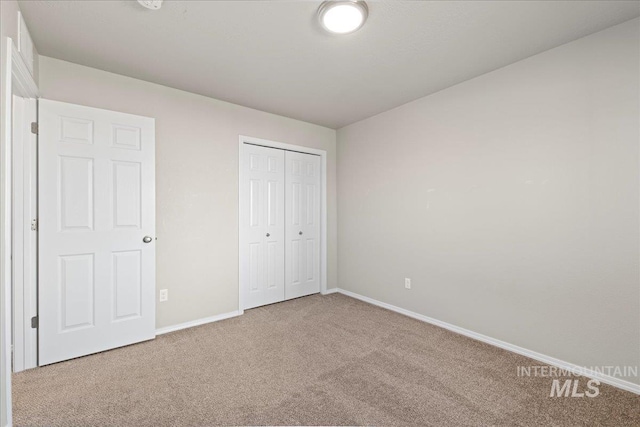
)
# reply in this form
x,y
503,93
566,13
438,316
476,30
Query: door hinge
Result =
x,y
34,225
34,322
34,128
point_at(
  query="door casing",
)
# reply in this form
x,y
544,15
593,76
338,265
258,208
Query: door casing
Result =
x,y
17,81
21,281
25,234
323,204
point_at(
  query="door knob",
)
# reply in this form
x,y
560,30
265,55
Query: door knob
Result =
x,y
300,233
147,239
268,234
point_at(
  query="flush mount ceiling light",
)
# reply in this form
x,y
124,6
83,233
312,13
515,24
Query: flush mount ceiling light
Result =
x,y
151,4
342,17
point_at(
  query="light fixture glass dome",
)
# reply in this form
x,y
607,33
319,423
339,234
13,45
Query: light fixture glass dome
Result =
x,y
342,17
151,4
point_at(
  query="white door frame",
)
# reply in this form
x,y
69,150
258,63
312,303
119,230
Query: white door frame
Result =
x,y
24,263
24,256
17,80
323,202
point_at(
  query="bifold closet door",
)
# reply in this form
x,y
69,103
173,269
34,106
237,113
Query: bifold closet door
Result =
x,y
262,226
302,201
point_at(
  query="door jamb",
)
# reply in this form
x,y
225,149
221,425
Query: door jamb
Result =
x,y
24,242
323,203
18,80
24,290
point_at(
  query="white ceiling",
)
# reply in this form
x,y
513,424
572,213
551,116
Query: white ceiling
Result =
x,y
272,56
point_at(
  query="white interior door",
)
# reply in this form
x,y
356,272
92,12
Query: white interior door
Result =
x,y
96,177
302,219
262,226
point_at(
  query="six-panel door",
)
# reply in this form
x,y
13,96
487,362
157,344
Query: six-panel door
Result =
x,y
302,201
96,204
262,226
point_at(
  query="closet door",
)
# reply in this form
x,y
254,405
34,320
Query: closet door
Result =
x,y
262,226
302,201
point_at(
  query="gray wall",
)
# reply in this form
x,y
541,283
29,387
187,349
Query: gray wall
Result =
x,y
510,200
196,179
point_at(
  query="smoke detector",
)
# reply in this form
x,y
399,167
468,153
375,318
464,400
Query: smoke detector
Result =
x,y
151,4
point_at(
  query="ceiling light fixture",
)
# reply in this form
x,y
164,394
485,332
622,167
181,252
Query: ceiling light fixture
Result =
x,y
342,17
151,4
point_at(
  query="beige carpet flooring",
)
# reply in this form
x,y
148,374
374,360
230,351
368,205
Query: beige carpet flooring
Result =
x,y
329,360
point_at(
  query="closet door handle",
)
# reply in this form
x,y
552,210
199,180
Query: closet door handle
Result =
x,y
268,234
300,233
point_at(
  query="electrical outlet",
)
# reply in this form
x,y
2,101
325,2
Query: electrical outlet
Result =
x,y
407,283
164,295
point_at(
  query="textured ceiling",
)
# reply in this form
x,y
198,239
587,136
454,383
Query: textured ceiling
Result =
x,y
271,55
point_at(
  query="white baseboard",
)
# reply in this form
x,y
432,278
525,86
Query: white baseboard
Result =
x,y
198,322
603,378
330,291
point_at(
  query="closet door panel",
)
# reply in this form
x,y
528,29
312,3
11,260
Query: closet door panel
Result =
x,y
302,229
262,226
